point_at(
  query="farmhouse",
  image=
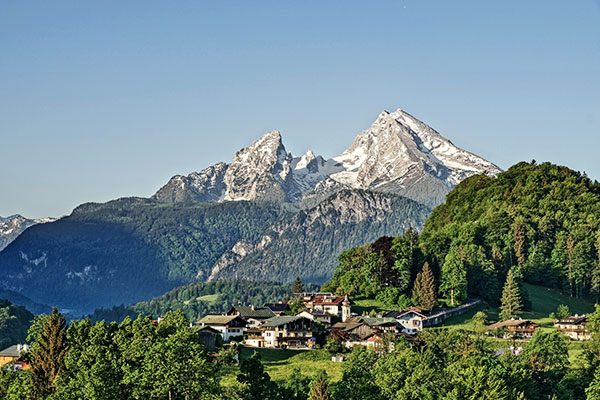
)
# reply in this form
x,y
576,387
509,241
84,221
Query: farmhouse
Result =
x,y
319,316
339,306
522,328
13,354
253,315
292,331
227,325
574,327
410,319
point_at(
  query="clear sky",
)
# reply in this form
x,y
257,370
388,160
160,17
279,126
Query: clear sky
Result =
x,y
100,100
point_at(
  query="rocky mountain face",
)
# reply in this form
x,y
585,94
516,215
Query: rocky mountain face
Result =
x,y
397,154
11,227
308,244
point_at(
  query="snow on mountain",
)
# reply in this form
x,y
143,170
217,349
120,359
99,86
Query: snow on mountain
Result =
x,y
397,154
11,227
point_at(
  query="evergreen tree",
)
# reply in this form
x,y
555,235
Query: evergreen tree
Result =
x,y
48,333
320,388
511,298
298,287
424,288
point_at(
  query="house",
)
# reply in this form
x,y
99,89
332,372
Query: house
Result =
x,y
227,325
208,337
574,327
13,354
522,328
254,316
278,308
291,330
411,319
384,325
339,306
319,316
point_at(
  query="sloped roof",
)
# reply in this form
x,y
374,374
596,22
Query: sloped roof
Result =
x,y
11,351
511,322
379,321
277,307
284,319
257,312
346,326
212,319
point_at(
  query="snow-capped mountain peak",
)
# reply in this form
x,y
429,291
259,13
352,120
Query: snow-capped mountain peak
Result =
x,y
398,153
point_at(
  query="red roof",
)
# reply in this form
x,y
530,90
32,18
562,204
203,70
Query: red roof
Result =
x,y
335,301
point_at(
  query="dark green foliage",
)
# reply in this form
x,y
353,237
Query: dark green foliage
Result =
x,y
201,298
382,270
48,350
128,250
256,383
511,304
543,219
14,324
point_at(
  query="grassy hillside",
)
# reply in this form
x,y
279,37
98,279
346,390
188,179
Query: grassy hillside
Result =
x,y
543,302
280,363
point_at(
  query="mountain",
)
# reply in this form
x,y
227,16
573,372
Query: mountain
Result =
x,y
12,226
126,250
397,154
308,244
265,215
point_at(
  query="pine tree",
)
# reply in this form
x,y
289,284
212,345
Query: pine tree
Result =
x,y
511,298
48,351
424,288
298,287
320,388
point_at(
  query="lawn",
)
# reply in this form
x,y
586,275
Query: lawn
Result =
x,y
280,363
361,306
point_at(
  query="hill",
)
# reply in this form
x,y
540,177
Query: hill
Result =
x,y
14,324
126,250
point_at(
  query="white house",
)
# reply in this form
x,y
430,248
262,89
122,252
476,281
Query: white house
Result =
x,y
227,325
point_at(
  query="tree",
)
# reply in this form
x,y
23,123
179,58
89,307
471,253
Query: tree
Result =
x,y
593,391
454,275
511,298
562,312
298,287
424,288
319,389
48,350
256,382
479,322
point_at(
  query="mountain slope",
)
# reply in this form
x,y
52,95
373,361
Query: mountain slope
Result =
x,y
397,154
308,244
13,226
126,250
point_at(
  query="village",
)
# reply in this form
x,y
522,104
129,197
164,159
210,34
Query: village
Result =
x,y
331,317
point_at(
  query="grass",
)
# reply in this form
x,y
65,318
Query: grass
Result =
x,y
361,306
280,363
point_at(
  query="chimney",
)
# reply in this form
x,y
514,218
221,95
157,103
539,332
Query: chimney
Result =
x,y
252,307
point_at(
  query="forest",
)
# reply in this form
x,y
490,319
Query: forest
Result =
x,y
540,221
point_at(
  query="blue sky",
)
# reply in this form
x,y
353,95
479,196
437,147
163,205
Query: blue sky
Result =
x,y
100,100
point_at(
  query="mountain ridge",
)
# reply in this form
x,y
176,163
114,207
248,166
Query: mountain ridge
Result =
x,y
397,154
